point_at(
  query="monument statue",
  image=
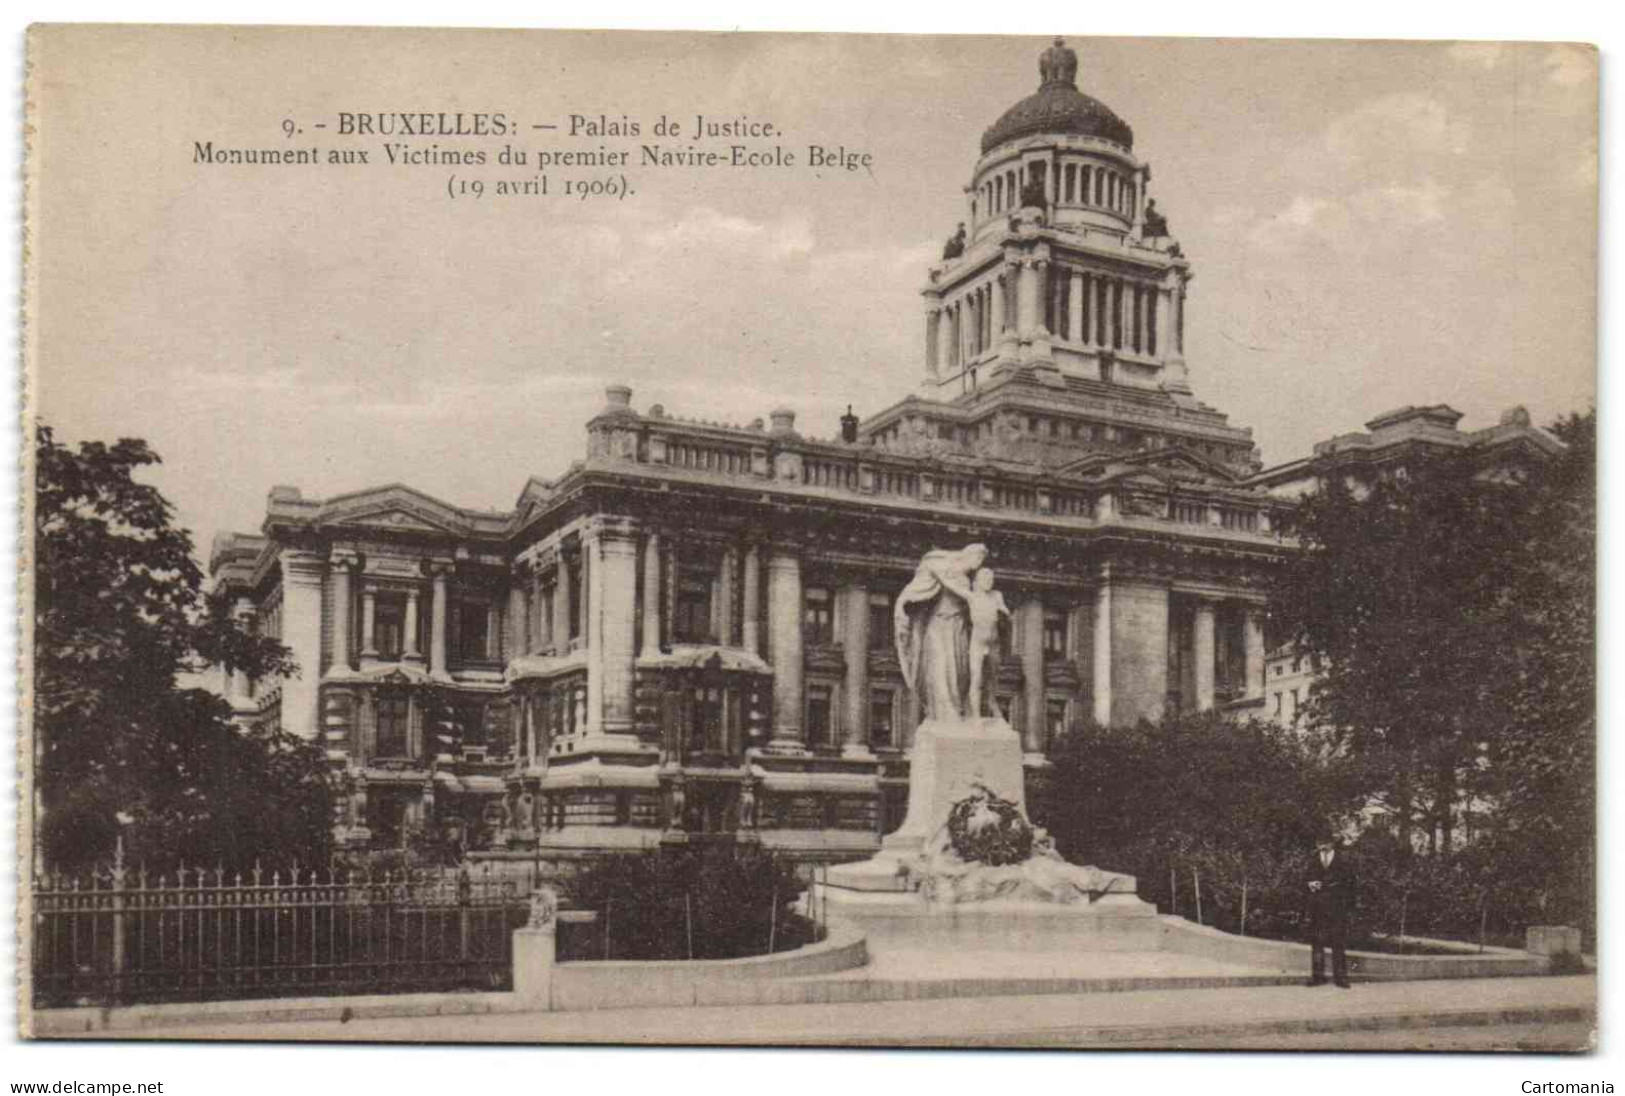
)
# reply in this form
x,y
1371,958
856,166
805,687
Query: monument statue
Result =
x,y
955,247
966,838
933,631
1156,225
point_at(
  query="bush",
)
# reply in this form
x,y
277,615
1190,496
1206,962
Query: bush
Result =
x,y
734,900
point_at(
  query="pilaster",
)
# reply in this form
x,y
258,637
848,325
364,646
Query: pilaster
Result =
x,y
784,618
302,576
855,646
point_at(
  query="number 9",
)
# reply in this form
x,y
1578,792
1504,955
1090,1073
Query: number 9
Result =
x,y
288,127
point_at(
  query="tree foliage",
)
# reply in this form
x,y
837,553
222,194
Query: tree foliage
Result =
x,y
651,905
1240,802
122,745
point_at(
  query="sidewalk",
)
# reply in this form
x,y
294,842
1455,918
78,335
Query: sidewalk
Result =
x,y
1168,1018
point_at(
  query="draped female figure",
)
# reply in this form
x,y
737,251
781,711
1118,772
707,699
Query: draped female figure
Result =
x,y
932,626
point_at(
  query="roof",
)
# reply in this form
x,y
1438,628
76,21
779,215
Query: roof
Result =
x,y
1058,107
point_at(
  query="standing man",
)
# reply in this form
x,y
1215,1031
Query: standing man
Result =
x,y
1331,904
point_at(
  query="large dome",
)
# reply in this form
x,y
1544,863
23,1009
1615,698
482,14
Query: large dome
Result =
x,y
1058,107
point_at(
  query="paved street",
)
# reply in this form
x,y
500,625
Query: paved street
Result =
x,y
1483,1014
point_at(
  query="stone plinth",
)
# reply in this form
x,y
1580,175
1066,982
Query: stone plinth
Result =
x,y
948,761
534,955
1091,910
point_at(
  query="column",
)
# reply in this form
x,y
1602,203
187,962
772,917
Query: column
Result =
x,y
1131,651
945,338
784,618
589,602
1202,650
369,618
1086,311
518,613
725,593
933,320
341,564
437,619
242,613
413,654
1030,621
1030,301
1165,312
615,636
1041,296
302,577
752,610
1101,656
996,304
855,645
1253,650
1074,311
651,595
560,636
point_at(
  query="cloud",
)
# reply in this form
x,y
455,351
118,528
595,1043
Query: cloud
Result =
x,y
1395,127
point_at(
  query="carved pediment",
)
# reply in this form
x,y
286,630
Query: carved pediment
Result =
x,y
399,519
396,508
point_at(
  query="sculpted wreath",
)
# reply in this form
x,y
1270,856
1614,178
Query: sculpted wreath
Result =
x,y
984,828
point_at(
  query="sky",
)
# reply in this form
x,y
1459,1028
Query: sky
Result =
x,y
1371,225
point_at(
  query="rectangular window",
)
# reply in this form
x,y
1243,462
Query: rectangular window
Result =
x,y
882,717
818,617
472,631
691,617
389,625
880,622
1054,634
1054,719
393,712
820,729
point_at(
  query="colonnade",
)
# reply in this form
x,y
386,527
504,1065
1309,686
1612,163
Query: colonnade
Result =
x,y
1067,182
1087,308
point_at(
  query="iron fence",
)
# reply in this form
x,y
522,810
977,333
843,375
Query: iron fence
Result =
x,y
116,937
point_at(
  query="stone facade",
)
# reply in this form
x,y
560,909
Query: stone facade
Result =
x,y
688,635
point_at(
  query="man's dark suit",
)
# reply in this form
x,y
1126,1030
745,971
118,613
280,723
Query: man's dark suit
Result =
x,y
1331,905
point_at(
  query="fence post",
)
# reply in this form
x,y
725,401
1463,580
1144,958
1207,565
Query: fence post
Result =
x,y
1196,878
535,952
115,983
465,887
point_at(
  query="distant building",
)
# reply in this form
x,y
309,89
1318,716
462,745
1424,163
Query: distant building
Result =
x,y
687,636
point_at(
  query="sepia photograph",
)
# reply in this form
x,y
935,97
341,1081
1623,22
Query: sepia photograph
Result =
x,y
687,538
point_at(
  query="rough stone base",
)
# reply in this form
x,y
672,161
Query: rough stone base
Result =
x,y
1114,923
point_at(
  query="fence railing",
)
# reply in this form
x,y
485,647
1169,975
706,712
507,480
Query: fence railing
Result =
x,y
118,937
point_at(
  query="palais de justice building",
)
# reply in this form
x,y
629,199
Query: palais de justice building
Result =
x,y
689,632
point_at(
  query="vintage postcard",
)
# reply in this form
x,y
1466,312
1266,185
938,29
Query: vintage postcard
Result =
x,y
809,539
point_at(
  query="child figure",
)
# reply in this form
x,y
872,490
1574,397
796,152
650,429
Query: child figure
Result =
x,y
985,604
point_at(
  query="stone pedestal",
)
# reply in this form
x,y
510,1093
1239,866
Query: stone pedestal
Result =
x,y
534,955
948,761
880,896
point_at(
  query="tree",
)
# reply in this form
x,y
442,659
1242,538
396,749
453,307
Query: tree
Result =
x,y
122,747
1451,609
